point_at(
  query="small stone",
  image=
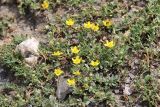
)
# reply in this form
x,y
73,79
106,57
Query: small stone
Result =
x,y
102,104
74,41
131,76
62,88
127,90
137,105
4,76
141,3
91,104
29,105
158,81
127,80
116,91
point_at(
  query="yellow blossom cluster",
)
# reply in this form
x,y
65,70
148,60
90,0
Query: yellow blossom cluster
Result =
x,y
90,25
75,50
93,26
70,82
76,60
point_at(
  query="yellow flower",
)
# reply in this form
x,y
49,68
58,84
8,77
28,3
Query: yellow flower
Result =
x,y
71,82
58,72
77,60
109,44
107,23
77,73
57,53
45,4
75,49
88,25
95,63
70,22
95,27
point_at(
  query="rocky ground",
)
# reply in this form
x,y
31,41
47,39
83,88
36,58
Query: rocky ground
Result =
x,y
34,24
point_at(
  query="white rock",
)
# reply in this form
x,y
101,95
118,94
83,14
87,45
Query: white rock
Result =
x,y
29,46
29,50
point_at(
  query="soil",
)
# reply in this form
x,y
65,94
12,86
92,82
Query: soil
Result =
x,y
20,24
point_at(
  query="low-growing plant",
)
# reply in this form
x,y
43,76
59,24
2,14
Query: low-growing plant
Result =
x,y
3,27
94,53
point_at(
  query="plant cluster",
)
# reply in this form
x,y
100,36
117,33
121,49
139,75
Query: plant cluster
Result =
x,y
93,52
3,27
